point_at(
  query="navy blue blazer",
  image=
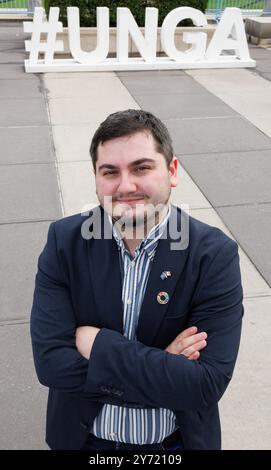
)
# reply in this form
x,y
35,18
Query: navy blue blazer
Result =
x,y
79,283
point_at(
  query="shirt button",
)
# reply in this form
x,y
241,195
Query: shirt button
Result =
x,y
112,434
129,301
132,264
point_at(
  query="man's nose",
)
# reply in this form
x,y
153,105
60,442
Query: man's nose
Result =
x,y
126,184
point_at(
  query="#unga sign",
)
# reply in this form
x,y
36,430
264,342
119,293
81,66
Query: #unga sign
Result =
x,y
228,46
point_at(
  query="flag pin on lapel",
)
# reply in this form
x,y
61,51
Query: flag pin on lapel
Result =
x,y
165,275
162,298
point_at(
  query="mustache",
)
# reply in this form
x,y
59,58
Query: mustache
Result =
x,y
122,197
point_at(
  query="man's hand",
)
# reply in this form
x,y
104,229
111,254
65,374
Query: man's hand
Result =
x,y
188,343
85,336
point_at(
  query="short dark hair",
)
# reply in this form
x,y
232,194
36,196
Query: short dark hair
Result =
x,y
130,122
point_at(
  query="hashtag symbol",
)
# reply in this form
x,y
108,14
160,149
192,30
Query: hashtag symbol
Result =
x,y
38,26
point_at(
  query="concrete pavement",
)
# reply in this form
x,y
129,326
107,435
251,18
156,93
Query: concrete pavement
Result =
x,y
220,124
29,201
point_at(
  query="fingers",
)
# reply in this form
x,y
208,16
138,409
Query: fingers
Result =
x,y
185,343
195,356
195,348
186,333
188,342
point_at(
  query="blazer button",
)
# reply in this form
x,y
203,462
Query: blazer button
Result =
x,y
104,389
84,425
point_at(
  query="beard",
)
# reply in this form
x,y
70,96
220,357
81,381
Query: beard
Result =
x,y
135,221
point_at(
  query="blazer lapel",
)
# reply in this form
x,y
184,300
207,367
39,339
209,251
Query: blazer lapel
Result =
x,y
105,277
152,312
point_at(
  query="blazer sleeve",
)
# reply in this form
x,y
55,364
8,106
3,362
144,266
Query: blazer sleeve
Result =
x,y
156,378
57,361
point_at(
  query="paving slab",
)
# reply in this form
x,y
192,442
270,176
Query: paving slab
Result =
x,y
86,86
263,123
221,80
264,65
28,192
84,111
174,106
232,134
156,84
252,103
72,143
6,46
9,89
13,57
259,53
251,227
80,177
266,75
12,31
187,192
23,400
232,178
20,247
15,71
246,406
33,145
253,283
23,112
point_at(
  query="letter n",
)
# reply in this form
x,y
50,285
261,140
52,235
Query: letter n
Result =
x,y
126,25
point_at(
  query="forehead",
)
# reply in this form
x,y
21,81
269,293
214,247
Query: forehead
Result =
x,y
125,148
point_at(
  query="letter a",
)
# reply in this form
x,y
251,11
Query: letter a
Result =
x,y
231,23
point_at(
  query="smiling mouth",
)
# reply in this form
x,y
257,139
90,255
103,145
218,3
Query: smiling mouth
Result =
x,y
130,199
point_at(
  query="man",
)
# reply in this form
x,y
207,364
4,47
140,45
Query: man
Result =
x,y
123,305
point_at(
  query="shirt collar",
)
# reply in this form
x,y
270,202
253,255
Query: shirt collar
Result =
x,y
149,243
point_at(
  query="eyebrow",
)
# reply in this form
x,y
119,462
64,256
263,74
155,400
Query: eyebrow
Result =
x,y
108,166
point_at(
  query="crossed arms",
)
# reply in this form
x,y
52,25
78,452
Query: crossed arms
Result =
x,y
188,342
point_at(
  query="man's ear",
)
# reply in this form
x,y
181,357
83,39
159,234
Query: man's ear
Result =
x,y
173,170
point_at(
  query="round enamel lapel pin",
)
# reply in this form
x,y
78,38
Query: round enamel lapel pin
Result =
x,y
162,298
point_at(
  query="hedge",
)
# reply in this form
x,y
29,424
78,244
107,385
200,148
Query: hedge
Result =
x,y
88,9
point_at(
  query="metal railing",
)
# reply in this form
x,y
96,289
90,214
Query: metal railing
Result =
x,y
215,8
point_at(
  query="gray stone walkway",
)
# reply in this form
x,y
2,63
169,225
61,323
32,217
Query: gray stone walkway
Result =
x,y
29,200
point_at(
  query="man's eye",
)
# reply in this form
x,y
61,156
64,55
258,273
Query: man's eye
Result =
x,y
142,168
109,172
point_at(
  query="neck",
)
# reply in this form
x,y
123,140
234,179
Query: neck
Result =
x,y
131,245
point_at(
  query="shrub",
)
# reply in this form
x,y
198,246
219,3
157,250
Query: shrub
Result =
x,y
88,9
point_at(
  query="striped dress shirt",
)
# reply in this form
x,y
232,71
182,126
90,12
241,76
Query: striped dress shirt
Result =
x,y
122,423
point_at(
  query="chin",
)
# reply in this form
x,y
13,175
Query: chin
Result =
x,y
130,218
